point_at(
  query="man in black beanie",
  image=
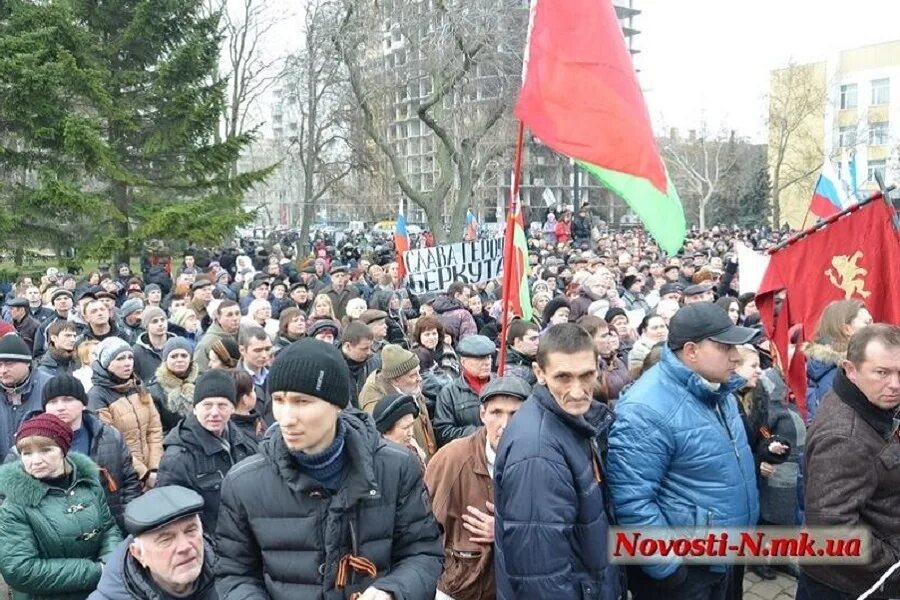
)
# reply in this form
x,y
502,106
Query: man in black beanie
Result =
x,y
327,507
204,446
20,388
64,397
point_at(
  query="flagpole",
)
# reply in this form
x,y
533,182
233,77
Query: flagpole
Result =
x,y
820,224
508,249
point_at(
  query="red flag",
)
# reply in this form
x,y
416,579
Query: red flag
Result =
x,y
855,257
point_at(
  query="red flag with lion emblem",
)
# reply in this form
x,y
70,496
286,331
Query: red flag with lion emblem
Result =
x,y
856,257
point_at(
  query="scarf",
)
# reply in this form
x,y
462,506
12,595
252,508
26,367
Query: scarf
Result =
x,y
179,390
476,383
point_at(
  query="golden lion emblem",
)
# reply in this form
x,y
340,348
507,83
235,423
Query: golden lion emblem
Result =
x,y
847,275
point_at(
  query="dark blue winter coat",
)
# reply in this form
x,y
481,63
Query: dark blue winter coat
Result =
x,y
822,363
678,455
550,519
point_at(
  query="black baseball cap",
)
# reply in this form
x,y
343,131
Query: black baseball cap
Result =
x,y
706,321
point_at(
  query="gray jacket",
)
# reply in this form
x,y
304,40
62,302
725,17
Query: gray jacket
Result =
x,y
12,415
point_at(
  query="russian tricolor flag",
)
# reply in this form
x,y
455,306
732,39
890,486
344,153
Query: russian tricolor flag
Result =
x,y
401,243
829,196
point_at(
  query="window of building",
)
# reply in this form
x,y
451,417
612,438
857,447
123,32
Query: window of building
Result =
x,y
881,91
847,137
848,96
879,134
873,167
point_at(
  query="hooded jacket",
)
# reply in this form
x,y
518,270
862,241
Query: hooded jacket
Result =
x,y
679,457
173,396
821,368
455,318
198,460
201,351
147,358
128,407
551,520
54,363
125,579
281,536
60,535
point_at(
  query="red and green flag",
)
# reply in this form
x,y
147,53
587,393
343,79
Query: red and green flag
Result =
x,y
580,96
515,260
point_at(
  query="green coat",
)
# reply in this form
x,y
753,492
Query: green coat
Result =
x,y
52,539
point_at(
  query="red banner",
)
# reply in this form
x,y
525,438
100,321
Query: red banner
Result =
x,y
856,257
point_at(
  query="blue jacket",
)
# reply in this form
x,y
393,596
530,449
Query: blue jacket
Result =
x,y
821,367
678,455
551,522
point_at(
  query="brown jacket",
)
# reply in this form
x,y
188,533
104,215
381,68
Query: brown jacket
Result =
x,y
457,477
853,479
377,388
130,409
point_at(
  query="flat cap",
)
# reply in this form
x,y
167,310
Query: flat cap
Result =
x,y
670,288
298,285
476,346
697,289
17,302
338,268
508,385
371,315
309,269
201,282
160,506
256,283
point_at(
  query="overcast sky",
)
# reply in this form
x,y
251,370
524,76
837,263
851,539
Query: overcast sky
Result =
x,y
709,60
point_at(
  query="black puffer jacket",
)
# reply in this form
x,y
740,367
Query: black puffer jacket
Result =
x,y
281,535
147,358
198,460
125,579
457,412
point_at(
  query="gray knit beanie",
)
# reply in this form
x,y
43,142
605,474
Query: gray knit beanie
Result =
x,y
150,314
176,343
109,349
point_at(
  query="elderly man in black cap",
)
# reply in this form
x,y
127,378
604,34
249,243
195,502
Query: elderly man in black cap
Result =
x,y
165,555
26,325
460,483
700,292
456,412
328,508
21,388
339,292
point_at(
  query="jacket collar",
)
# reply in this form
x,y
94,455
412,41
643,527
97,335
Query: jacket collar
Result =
x,y
478,441
361,440
18,487
695,384
597,419
190,431
879,419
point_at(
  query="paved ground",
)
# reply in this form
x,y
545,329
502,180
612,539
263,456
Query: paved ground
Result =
x,y
782,588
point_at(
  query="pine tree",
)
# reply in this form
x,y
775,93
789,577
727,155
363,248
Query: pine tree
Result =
x,y
128,107
754,208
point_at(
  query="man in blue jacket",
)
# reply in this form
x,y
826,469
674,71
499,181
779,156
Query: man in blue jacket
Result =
x,y
678,453
551,522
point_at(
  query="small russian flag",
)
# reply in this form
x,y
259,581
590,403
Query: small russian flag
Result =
x,y
829,197
401,243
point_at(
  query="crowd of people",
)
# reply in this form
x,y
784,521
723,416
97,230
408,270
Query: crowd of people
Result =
x,y
264,426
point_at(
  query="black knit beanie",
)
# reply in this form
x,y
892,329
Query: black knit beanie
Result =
x,y
312,367
63,385
215,383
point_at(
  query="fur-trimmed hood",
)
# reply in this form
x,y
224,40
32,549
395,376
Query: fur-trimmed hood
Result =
x,y
823,353
170,381
18,487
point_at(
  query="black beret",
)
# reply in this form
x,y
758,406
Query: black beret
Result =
x,y
160,506
392,408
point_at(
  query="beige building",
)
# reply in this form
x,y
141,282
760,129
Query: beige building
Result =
x,y
845,109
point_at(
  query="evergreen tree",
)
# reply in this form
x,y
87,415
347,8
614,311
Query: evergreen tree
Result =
x,y
754,208
122,107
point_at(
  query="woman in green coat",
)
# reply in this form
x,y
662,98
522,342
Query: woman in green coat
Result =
x,y
56,529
